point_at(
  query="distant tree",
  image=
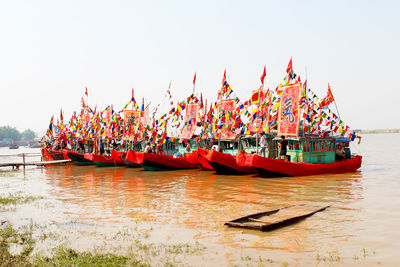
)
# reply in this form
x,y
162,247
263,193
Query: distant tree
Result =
x,y
28,134
9,132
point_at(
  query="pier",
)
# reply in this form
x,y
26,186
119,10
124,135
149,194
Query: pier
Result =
x,y
25,163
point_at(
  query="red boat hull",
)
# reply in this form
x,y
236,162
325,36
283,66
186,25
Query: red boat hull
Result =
x,y
50,154
103,160
203,163
134,158
118,155
156,162
280,168
77,157
225,163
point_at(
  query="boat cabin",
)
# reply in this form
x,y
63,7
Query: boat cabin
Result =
x,y
309,149
248,144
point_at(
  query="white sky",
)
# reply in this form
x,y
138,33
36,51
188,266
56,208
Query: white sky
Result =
x,y
51,50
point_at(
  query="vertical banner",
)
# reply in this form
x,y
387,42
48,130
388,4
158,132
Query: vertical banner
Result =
x,y
131,122
190,121
225,110
107,114
288,114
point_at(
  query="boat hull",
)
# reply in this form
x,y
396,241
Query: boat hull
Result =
x,y
267,167
50,154
203,163
103,160
157,162
224,163
133,159
77,158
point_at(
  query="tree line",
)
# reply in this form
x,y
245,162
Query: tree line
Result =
x,y
8,132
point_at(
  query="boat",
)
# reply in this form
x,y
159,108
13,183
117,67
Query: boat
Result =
x,y
77,158
310,155
224,163
51,154
103,160
118,155
202,162
13,146
277,218
159,162
133,159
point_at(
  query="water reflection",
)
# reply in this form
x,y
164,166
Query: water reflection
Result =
x,y
203,201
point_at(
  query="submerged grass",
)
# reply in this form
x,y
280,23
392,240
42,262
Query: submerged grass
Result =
x,y
13,199
69,257
62,256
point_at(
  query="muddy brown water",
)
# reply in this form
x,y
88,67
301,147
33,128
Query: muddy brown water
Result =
x,y
121,209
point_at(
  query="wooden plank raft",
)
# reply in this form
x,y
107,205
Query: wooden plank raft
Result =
x,y
277,218
34,163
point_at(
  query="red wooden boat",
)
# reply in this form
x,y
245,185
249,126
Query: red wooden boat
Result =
x,y
103,160
123,156
225,163
158,162
133,158
77,157
203,163
268,167
50,154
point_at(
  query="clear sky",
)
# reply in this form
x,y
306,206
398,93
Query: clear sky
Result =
x,y
51,50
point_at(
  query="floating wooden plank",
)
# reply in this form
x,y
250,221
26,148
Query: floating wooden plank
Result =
x,y
274,219
35,163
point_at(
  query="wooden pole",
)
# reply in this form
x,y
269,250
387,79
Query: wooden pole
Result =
x,y
337,109
23,159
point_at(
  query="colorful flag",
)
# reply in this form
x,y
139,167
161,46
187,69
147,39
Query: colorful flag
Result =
x,y
255,97
328,99
86,93
263,75
289,68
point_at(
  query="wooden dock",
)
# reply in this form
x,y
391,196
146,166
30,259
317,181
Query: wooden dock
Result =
x,y
25,163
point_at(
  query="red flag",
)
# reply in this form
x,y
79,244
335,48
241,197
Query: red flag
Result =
x,y
263,75
289,66
194,78
224,78
86,93
255,97
328,99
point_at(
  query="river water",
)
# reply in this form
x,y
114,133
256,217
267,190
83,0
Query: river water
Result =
x,y
177,217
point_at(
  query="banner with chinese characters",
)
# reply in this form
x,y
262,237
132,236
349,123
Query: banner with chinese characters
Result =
x,y
190,121
131,122
225,109
288,114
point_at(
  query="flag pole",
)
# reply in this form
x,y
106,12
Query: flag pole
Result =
x,y
334,100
